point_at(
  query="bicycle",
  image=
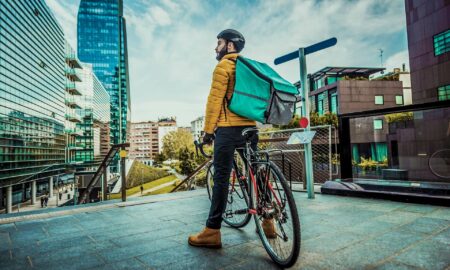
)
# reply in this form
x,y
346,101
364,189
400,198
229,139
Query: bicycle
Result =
x,y
258,187
439,163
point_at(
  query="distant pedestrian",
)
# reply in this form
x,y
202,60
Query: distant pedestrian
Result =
x,y
42,201
45,200
142,190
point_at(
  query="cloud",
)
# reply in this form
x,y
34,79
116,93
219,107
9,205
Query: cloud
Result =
x,y
171,43
160,16
397,60
66,14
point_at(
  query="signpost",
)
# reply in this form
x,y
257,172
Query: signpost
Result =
x,y
301,55
123,155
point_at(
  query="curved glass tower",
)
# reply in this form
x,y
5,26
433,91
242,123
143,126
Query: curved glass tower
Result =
x,y
102,41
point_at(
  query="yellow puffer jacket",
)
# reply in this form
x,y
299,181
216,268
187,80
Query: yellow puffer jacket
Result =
x,y
217,112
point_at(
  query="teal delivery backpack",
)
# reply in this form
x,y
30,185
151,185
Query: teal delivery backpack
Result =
x,y
261,94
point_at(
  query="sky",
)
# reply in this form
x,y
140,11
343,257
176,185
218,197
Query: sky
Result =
x,y
171,43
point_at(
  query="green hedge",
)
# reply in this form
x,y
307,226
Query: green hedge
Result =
x,y
140,172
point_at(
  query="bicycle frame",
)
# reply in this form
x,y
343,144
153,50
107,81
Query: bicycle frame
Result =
x,y
252,180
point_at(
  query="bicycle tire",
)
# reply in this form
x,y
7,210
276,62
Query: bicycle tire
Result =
x,y
439,163
244,217
291,259
239,191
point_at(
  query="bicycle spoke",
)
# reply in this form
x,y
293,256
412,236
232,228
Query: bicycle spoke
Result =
x,y
274,204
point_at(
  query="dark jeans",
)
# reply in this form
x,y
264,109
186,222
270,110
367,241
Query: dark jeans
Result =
x,y
227,140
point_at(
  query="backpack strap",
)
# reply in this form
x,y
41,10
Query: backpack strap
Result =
x,y
226,101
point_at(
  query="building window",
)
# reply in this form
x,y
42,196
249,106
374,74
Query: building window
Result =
x,y
377,124
320,104
379,100
334,103
331,80
442,43
399,100
444,93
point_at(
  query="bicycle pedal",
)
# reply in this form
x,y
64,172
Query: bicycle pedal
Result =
x,y
252,211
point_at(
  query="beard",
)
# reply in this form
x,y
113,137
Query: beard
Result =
x,y
222,53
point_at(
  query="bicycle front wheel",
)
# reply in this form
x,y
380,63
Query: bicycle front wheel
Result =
x,y
209,179
277,219
236,213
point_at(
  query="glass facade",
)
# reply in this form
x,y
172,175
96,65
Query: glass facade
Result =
x,y
95,108
32,92
441,43
102,42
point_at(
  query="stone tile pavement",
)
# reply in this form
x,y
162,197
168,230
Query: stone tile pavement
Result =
x,y
151,233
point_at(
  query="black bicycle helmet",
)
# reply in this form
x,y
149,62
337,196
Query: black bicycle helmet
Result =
x,y
234,36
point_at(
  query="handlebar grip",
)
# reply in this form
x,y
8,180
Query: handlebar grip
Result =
x,y
200,146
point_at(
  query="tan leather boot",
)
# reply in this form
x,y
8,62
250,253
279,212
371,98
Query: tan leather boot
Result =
x,y
269,228
209,238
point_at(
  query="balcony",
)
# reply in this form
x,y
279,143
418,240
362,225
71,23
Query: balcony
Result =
x,y
72,75
72,89
75,146
72,103
72,60
74,132
73,117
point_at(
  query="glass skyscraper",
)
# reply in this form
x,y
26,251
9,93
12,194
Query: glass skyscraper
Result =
x,y
102,41
32,95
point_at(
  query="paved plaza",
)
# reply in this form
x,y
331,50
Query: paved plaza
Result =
x,y
151,233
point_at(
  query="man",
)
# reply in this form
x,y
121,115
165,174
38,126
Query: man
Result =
x,y
226,128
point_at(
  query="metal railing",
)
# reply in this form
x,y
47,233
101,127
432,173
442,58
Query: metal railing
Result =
x,y
101,171
292,159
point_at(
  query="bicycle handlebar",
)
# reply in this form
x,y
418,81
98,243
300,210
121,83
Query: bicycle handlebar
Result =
x,y
200,146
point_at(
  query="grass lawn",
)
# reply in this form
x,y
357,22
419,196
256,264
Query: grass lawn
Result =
x,y
148,185
161,191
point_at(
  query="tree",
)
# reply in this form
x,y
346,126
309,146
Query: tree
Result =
x,y
174,141
187,164
159,159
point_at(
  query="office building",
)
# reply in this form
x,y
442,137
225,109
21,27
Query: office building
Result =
x,y
428,26
102,41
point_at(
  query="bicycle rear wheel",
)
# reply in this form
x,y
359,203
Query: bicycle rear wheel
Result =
x,y
275,204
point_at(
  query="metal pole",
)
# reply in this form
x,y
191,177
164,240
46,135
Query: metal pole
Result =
x,y
75,186
330,152
305,113
124,182
57,193
9,199
105,184
33,192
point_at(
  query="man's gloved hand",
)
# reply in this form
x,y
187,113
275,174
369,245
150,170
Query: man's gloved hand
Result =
x,y
208,138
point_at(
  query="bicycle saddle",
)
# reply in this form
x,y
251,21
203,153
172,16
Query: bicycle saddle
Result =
x,y
249,132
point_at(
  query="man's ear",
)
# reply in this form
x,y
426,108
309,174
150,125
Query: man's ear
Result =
x,y
231,47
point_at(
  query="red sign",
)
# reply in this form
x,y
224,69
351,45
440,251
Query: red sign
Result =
x,y
303,122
